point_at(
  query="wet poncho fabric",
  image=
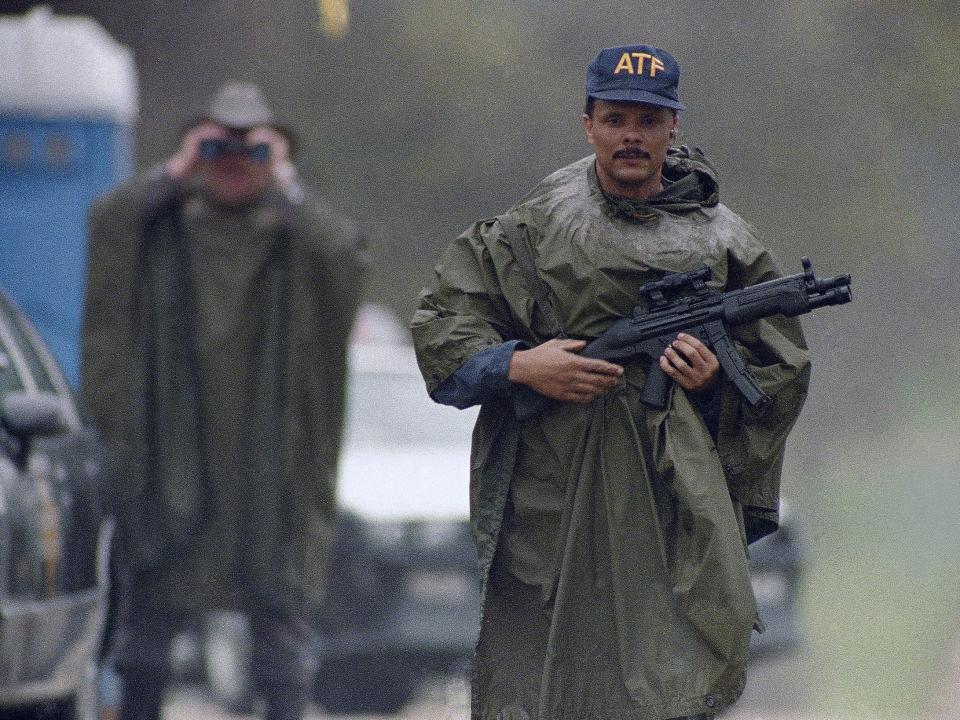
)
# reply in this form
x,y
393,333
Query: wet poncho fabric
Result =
x,y
611,537
214,363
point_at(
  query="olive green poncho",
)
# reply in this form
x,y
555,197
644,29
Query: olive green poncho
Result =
x,y
612,538
214,362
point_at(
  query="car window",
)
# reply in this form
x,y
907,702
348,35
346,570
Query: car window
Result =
x,y
10,379
19,342
30,366
14,371
394,409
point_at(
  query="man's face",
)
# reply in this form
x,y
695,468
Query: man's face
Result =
x,y
630,141
237,173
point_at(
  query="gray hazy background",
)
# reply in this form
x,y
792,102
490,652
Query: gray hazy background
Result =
x,y
834,126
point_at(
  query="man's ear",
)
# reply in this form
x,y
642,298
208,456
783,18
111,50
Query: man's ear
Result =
x,y
588,127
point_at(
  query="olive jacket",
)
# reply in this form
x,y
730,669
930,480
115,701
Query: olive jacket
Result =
x,y
625,528
214,362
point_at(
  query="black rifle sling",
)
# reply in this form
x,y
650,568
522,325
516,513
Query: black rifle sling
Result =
x,y
519,238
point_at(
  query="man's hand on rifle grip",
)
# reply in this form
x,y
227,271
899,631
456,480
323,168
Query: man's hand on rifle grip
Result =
x,y
690,363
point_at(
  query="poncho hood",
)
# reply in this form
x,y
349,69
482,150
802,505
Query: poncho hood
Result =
x,y
689,178
690,184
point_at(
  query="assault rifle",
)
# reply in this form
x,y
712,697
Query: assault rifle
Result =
x,y
682,302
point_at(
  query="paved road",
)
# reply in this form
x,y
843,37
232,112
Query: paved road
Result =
x,y
775,692
439,701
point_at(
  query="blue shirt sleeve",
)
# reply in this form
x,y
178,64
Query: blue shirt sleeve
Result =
x,y
482,377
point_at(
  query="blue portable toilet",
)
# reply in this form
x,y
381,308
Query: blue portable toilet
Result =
x,y
68,103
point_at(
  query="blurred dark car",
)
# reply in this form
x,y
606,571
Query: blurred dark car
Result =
x,y
403,602
403,599
53,535
776,569
403,605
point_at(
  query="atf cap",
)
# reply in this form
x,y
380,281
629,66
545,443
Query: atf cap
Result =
x,y
635,73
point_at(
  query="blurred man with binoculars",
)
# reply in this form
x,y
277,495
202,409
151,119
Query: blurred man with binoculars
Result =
x,y
220,296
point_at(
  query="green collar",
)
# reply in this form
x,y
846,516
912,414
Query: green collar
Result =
x,y
689,184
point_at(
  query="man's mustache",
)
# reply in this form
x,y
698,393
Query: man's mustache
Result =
x,y
632,153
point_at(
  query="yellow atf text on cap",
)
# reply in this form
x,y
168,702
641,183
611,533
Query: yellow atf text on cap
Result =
x,y
635,73
636,63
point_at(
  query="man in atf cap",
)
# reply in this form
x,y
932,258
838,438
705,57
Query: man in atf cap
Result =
x,y
220,297
611,536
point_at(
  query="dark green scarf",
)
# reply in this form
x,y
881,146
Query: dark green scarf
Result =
x,y
689,183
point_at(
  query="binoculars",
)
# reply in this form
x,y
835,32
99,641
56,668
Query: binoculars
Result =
x,y
212,149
